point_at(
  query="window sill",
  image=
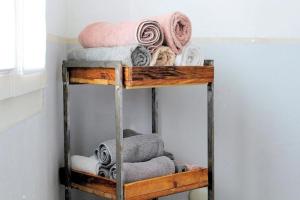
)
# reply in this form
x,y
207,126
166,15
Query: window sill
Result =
x,y
13,85
14,110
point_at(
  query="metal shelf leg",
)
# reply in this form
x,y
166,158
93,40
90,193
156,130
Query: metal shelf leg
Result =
x,y
154,111
119,129
65,76
210,131
154,114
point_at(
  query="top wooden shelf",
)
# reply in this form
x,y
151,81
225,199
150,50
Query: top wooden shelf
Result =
x,y
103,73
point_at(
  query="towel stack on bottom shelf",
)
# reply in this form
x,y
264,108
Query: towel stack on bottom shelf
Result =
x,y
143,155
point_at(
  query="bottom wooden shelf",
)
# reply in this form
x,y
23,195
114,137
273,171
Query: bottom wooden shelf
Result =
x,y
140,190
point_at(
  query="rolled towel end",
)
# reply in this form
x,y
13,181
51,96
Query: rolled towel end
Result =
x,y
190,56
177,28
104,172
137,148
140,56
163,56
150,34
85,164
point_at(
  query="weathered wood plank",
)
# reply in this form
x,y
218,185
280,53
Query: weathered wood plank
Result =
x,y
143,77
146,77
140,190
166,185
94,184
99,75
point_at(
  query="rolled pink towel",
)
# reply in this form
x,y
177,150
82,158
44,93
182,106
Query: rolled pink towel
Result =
x,y
104,34
177,29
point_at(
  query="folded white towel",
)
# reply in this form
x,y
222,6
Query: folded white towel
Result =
x,y
85,164
190,56
132,55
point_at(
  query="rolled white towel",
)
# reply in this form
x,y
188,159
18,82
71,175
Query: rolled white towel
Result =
x,y
190,56
85,164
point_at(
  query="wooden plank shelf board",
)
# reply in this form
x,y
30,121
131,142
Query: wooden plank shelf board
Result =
x,y
140,190
143,77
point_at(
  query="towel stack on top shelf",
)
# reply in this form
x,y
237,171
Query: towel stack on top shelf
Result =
x,y
143,155
151,42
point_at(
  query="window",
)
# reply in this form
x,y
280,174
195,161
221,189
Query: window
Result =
x,y
23,35
22,64
8,35
23,47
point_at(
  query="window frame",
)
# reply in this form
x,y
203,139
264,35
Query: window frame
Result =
x,y
18,81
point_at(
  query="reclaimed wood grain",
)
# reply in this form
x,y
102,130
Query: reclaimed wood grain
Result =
x,y
148,77
89,75
166,185
140,190
91,184
144,77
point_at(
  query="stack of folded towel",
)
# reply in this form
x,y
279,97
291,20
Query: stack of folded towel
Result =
x,y
143,156
156,41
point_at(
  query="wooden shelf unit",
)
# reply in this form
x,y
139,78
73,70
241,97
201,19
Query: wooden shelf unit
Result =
x,y
123,77
140,77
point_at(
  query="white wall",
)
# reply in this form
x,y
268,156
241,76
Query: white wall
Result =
x,y
31,151
215,18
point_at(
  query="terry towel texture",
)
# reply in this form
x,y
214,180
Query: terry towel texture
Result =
x,y
159,166
190,56
180,167
133,55
135,149
85,164
130,133
104,172
163,56
104,34
177,30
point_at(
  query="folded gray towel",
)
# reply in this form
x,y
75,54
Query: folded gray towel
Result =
x,y
143,170
137,148
103,172
133,55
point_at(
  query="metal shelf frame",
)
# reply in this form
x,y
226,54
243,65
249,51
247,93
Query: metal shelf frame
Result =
x,y
119,128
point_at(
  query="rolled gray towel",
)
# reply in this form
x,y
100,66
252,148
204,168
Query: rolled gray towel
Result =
x,y
133,55
169,155
155,167
180,167
137,148
113,172
126,133
103,172
130,133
